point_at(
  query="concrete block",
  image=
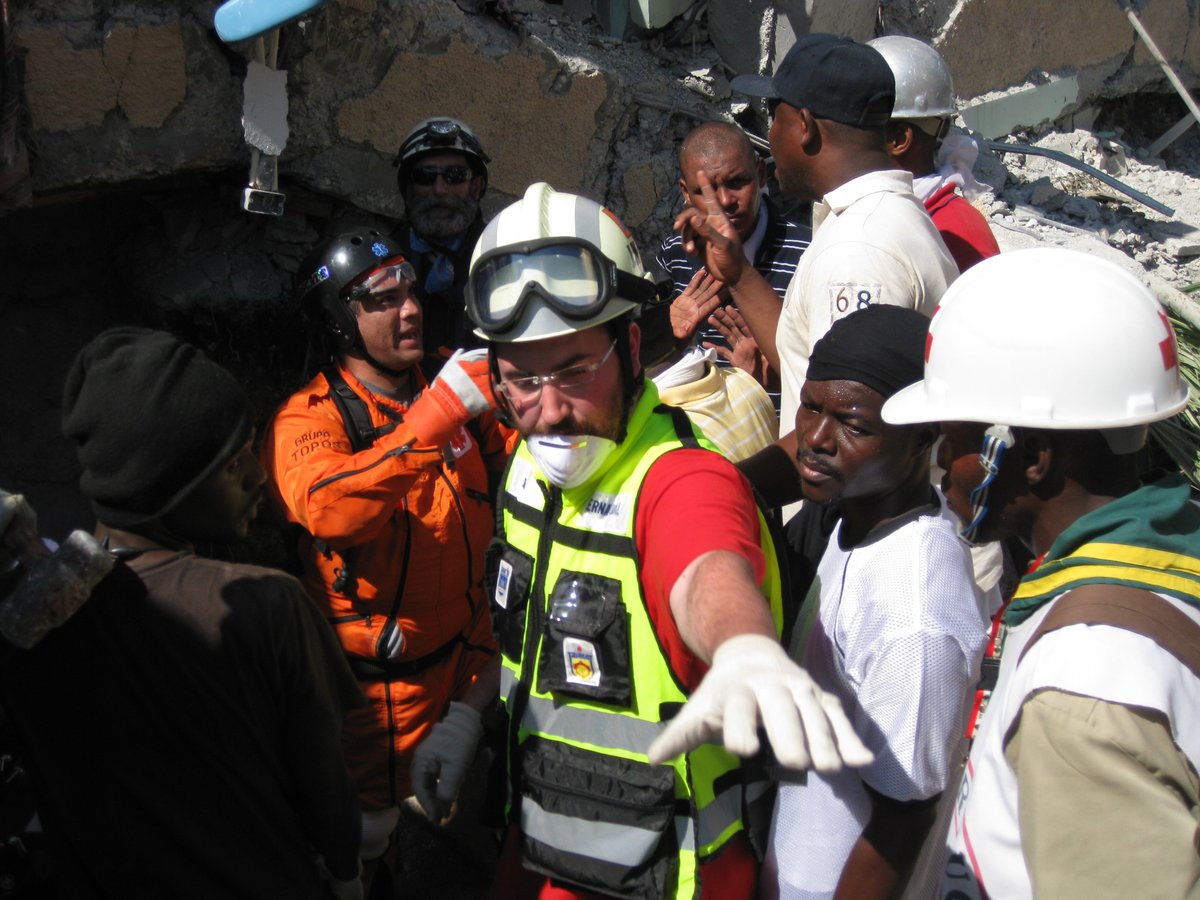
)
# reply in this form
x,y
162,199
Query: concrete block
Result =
x,y
147,64
918,18
1026,108
1180,239
65,88
641,195
139,69
735,28
1169,24
998,43
849,18
535,120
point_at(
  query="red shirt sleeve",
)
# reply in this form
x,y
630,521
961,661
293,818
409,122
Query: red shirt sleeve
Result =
x,y
692,502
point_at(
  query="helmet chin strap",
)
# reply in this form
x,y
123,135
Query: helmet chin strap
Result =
x,y
996,440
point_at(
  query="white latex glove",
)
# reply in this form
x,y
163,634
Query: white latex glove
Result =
x,y
441,760
753,681
343,890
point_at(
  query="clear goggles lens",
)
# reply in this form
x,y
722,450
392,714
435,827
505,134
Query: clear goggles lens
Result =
x,y
570,277
395,274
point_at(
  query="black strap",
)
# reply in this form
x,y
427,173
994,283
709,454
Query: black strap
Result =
x,y
1132,609
389,670
355,415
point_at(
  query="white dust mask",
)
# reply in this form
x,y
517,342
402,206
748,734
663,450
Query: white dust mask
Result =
x,y
568,460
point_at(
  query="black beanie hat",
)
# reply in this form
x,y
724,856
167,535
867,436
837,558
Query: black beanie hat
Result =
x,y
880,346
152,417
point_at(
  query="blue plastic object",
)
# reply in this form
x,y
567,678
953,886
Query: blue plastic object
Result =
x,y
240,20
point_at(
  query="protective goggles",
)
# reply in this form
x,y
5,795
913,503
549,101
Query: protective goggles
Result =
x,y
569,275
393,274
427,176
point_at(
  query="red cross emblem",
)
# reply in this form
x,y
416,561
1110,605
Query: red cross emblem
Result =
x,y
929,333
1170,353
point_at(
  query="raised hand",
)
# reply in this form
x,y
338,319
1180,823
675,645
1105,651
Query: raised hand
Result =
x,y
743,349
708,235
694,305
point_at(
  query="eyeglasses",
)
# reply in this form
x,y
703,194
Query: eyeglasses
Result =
x,y
569,275
527,387
425,176
395,273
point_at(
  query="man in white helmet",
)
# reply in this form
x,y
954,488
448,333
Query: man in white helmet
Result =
x,y
1044,367
920,122
610,603
442,174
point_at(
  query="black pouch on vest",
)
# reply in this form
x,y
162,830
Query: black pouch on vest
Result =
x,y
618,814
509,572
585,648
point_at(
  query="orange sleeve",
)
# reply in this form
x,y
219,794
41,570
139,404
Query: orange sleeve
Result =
x,y
341,497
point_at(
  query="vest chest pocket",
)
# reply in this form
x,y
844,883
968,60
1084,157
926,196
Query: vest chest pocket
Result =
x,y
585,647
508,576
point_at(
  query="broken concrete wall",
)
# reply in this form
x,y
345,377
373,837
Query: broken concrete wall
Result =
x,y
117,92
992,45
115,97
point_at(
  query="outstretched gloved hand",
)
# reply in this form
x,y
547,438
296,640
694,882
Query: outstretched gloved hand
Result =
x,y
461,391
751,682
441,760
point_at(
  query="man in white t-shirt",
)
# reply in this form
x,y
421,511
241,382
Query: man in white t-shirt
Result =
x,y
892,625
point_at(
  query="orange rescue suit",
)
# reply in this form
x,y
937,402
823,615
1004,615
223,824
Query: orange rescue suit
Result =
x,y
395,537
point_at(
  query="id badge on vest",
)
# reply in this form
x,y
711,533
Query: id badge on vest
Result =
x,y
585,645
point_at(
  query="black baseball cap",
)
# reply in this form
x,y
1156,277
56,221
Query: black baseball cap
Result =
x,y
833,77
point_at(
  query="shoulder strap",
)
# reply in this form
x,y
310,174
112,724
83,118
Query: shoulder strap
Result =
x,y
682,424
1130,608
355,415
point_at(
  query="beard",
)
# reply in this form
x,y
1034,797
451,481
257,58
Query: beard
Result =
x,y
610,421
441,218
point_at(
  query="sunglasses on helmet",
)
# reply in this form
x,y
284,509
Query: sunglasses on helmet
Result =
x,y
568,274
392,274
426,176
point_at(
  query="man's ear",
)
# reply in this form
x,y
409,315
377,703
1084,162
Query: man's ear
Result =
x,y
477,187
898,137
683,189
1037,455
761,168
927,436
808,130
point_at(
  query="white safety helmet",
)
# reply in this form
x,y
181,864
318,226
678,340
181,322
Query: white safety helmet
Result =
x,y
1046,338
924,88
551,264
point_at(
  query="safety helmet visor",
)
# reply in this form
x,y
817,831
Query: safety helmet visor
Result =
x,y
572,276
395,274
